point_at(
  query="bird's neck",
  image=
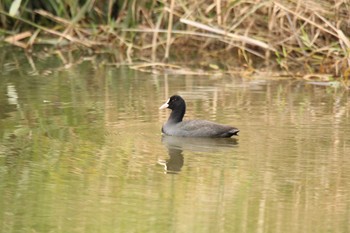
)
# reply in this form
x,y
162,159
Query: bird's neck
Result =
x,y
177,115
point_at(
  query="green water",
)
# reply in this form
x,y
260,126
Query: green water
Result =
x,y
81,151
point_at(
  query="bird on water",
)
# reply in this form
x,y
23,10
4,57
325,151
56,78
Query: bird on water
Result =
x,y
175,126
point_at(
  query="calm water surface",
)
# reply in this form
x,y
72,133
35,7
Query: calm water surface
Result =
x,y
81,151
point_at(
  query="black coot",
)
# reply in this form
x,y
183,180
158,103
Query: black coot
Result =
x,y
192,128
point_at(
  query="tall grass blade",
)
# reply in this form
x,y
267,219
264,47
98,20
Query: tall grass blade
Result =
x,y
14,7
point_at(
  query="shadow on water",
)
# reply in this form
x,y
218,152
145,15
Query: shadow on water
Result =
x,y
176,145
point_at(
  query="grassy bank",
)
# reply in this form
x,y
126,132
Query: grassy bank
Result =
x,y
310,36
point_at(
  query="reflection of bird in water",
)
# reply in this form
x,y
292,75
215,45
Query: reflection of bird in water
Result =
x,y
176,145
199,144
175,162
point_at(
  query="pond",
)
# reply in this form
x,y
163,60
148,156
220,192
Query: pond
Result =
x,y
81,151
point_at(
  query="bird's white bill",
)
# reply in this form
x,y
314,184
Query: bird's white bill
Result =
x,y
164,105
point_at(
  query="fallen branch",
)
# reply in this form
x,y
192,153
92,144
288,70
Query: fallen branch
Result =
x,y
243,39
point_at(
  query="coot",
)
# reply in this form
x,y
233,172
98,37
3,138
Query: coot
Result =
x,y
192,128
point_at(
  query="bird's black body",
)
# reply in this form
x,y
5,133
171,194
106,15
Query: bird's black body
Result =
x,y
175,126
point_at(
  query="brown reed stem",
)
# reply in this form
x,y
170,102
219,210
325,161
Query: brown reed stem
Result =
x,y
170,27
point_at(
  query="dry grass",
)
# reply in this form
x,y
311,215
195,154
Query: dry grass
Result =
x,y
309,35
